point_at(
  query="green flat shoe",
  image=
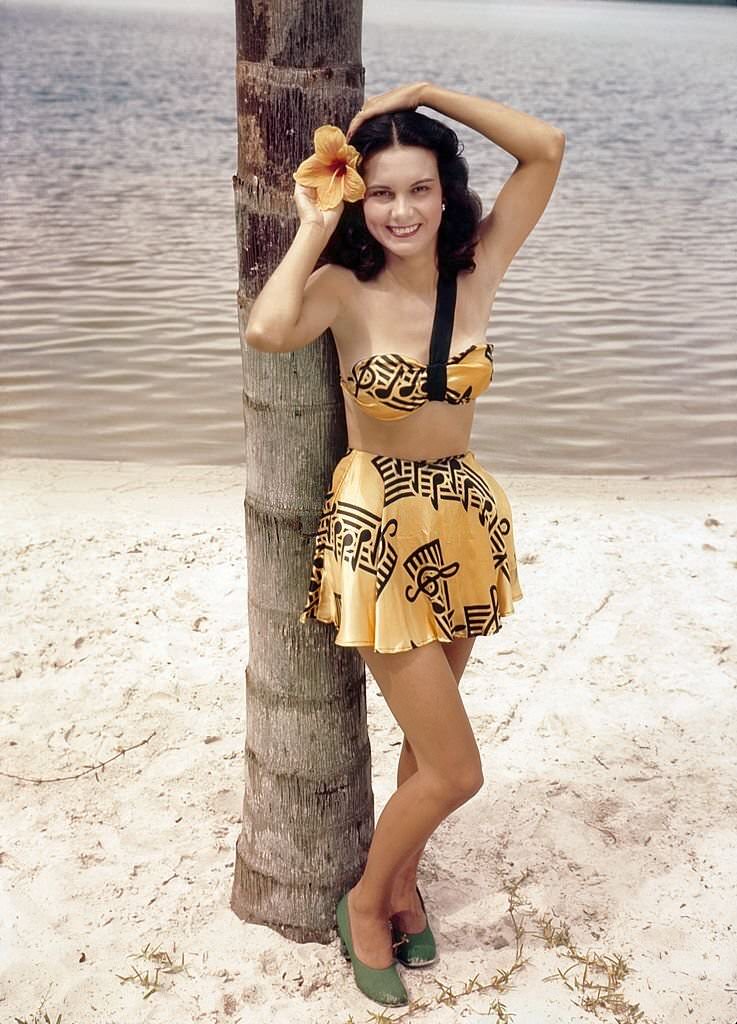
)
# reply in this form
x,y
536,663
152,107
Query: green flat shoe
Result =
x,y
383,984
415,949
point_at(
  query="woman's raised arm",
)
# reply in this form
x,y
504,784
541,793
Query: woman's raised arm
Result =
x,y
538,147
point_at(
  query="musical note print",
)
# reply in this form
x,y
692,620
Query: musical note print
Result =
x,y
390,386
409,551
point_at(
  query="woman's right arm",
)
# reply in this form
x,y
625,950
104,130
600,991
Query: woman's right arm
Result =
x,y
297,303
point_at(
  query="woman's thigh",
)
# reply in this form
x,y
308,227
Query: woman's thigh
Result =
x,y
458,652
422,693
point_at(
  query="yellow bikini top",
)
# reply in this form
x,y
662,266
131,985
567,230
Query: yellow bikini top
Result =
x,y
390,386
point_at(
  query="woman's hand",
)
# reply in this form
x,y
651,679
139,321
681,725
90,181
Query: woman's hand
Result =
x,y
305,198
406,97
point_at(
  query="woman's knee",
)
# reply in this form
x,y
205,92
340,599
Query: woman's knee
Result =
x,y
423,695
457,786
459,783
472,781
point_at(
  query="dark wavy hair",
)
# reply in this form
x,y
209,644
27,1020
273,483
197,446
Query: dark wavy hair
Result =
x,y
353,246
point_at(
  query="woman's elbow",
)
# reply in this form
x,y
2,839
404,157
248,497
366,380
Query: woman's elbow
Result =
x,y
559,143
263,341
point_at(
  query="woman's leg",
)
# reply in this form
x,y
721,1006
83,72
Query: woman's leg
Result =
x,y
422,693
406,910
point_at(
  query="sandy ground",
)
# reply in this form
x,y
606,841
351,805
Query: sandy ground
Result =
x,y
604,709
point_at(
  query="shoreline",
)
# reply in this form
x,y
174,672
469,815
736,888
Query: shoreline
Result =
x,y
602,710
19,460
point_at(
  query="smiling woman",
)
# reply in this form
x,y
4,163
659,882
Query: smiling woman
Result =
x,y
414,556
400,210
416,190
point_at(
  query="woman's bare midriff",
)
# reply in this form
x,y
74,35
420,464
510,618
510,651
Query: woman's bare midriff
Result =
x,y
378,318
434,430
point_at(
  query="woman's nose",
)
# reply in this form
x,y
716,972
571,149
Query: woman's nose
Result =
x,y
401,206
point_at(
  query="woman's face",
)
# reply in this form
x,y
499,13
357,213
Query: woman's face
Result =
x,y
402,190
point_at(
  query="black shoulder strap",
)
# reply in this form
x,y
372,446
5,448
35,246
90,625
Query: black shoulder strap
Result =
x,y
442,332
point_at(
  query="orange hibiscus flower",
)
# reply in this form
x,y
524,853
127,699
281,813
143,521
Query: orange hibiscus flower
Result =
x,y
332,169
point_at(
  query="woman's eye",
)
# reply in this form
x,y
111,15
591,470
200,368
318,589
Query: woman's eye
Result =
x,y
383,191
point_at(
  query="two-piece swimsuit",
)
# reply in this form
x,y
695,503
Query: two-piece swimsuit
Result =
x,y
409,551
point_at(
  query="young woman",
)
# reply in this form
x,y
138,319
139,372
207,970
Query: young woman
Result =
x,y
415,553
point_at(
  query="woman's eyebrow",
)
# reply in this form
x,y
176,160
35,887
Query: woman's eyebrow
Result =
x,y
420,182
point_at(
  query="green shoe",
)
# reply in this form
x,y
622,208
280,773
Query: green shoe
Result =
x,y
383,984
415,949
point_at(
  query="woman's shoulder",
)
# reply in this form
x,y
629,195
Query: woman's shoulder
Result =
x,y
348,287
337,273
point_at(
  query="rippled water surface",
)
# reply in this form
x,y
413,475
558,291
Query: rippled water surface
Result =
x,y
614,329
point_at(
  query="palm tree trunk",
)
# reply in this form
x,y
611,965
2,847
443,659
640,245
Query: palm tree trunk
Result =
x,y
308,809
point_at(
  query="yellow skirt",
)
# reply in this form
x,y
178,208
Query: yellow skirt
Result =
x,y
412,550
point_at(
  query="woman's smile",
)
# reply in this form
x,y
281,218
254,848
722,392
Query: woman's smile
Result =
x,y
400,232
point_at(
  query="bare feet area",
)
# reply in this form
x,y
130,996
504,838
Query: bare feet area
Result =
x,y
591,879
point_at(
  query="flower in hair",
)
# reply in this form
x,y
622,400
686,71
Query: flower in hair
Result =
x,y
332,169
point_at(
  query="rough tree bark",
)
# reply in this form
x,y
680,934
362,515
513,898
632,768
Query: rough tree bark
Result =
x,y
308,809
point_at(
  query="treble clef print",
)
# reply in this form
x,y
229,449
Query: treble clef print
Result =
x,y
429,578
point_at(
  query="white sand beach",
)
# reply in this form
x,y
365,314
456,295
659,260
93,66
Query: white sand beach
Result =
x,y
604,711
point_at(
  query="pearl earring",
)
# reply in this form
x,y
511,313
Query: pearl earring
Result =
x,y
443,206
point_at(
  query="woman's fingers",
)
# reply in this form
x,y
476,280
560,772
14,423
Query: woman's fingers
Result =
x,y
353,126
305,201
404,97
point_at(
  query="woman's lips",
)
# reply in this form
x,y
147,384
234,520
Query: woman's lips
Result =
x,y
404,234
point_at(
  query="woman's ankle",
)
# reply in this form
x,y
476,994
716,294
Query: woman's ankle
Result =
x,y
363,901
403,893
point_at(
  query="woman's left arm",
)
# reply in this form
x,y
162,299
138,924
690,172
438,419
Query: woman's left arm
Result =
x,y
538,147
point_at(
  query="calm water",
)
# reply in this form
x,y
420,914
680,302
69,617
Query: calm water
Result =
x,y
614,329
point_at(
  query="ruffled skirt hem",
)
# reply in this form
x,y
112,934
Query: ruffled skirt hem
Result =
x,y
371,642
